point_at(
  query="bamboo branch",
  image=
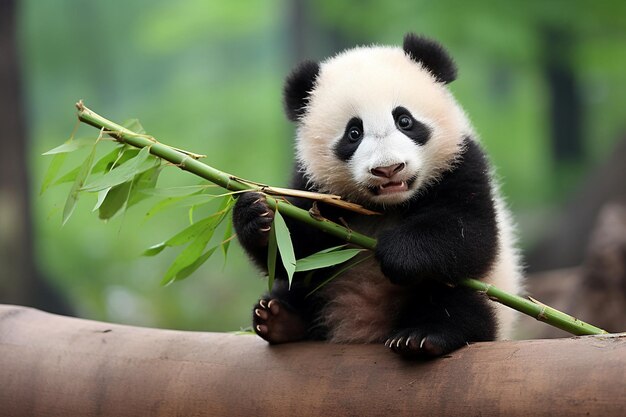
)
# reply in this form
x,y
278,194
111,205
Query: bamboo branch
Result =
x,y
187,161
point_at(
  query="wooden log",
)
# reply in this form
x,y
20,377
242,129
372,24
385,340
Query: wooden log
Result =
x,y
58,366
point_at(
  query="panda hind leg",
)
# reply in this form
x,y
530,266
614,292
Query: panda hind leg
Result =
x,y
440,320
275,322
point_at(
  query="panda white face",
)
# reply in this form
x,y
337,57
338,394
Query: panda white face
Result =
x,y
378,127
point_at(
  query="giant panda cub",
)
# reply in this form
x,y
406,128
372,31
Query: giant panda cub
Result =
x,y
378,126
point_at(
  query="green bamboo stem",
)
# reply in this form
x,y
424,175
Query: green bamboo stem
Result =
x,y
186,161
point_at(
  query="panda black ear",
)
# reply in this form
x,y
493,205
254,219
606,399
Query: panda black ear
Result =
x,y
298,87
431,55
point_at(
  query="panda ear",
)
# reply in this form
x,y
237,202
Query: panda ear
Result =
x,y
431,55
298,87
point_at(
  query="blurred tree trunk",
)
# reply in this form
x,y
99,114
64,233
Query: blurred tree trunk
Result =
x,y
20,282
566,112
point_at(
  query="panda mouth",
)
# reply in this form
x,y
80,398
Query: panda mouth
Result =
x,y
390,187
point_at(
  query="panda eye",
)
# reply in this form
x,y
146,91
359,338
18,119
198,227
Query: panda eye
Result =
x,y
354,134
404,122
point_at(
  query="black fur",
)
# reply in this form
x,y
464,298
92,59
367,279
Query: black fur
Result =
x,y
298,86
438,319
251,215
446,233
449,232
346,147
419,132
431,55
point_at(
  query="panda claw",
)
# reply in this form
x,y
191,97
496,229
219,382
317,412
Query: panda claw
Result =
x,y
265,229
399,341
261,314
422,343
274,307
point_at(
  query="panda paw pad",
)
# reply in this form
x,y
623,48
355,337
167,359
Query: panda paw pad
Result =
x,y
275,323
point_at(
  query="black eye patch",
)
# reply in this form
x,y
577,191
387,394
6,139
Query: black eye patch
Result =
x,y
345,148
413,129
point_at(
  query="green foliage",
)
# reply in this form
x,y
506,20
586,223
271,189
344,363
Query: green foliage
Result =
x,y
79,181
283,242
123,172
326,258
272,253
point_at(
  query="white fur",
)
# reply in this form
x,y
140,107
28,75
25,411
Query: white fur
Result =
x,y
506,273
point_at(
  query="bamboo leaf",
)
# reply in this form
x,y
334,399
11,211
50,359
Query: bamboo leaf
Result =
x,y
191,232
339,272
72,198
106,163
272,252
154,249
115,200
199,230
115,158
101,196
124,172
68,177
185,272
188,256
102,164
142,183
285,247
228,235
325,259
53,170
71,146
190,200
191,254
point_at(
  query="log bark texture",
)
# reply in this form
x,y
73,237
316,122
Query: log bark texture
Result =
x,y
58,366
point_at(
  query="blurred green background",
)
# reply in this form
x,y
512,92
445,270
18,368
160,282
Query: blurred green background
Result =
x,y
543,82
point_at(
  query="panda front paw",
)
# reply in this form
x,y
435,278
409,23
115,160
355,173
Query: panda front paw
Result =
x,y
276,323
420,343
252,220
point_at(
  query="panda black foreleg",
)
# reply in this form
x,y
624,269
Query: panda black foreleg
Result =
x,y
438,319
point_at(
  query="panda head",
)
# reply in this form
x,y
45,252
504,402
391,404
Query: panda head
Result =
x,y
376,124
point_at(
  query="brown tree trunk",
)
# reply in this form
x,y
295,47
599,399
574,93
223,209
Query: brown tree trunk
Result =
x,y
58,366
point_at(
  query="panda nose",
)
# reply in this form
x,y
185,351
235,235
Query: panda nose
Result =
x,y
388,171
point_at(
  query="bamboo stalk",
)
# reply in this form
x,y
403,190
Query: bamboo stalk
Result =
x,y
187,161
